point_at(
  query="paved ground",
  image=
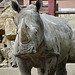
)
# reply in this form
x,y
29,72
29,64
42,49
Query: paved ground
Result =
x,y
70,69
15,71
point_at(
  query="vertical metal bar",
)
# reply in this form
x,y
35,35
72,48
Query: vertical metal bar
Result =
x,y
55,7
51,7
23,2
30,1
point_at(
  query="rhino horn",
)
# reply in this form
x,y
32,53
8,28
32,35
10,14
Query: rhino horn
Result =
x,y
24,33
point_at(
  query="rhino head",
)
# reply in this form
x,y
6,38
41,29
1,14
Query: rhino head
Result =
x,y
30,26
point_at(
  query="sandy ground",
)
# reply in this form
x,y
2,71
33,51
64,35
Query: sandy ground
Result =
x,y
15,71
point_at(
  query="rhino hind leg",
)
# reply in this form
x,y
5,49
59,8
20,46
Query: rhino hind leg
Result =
x,y
24,66
51,65
61,69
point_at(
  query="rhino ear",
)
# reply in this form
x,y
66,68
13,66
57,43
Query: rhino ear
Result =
x,y
38,4
16,6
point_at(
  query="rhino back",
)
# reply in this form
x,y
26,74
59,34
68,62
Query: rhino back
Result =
x,y
57,35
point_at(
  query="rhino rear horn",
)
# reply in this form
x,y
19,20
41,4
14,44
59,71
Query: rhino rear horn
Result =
x,y
16,6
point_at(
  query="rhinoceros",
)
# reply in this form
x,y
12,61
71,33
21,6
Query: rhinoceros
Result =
x,y
42,41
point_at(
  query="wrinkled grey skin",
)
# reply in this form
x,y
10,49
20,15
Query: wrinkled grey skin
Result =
x,y
42,41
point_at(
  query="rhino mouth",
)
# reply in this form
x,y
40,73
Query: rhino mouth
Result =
x,y
27,48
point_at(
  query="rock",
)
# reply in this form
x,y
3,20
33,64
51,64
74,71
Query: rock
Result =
x,y
8,55
1,58
4,63
4,52
2,25
10,29
5,2
1,38
4,41
8,12
1,45
7,23
7,52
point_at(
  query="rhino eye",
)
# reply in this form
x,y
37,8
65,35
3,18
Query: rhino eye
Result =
x,y
36,32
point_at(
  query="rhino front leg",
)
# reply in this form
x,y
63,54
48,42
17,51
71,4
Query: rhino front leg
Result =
x,y
40,71
61,68
24,66
51,64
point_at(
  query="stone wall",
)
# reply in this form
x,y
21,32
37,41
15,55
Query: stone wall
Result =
x,y
8,32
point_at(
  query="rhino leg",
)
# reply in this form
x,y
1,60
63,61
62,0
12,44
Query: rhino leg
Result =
x,y
24,66
40,71
61,68
51,64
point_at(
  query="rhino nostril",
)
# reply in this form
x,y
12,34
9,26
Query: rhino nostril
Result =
x,y
33,50
11,63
